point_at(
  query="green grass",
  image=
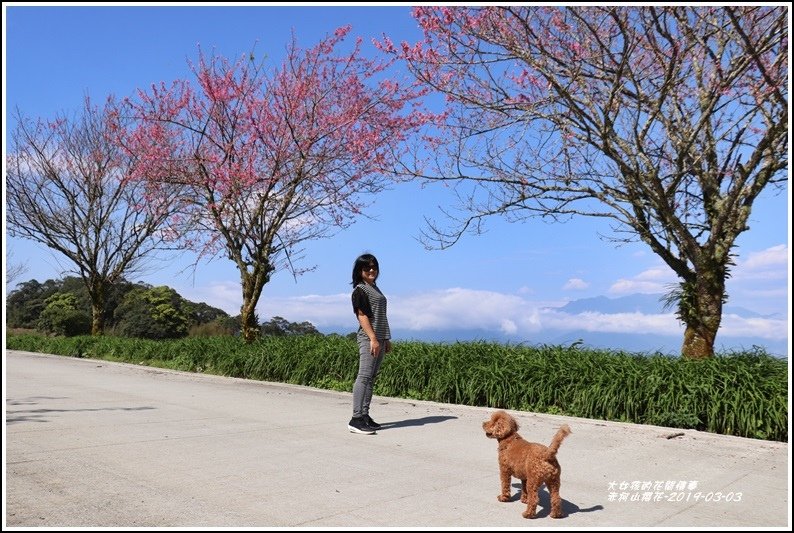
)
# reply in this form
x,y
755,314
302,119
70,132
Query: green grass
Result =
x,y
744,394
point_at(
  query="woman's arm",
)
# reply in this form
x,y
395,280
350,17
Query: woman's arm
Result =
x,y
374,345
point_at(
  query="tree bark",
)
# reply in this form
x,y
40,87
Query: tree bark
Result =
x,y
97,294
250,329
253,283
701,311
97,318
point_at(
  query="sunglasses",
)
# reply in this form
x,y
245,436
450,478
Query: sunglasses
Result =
x,y
370,267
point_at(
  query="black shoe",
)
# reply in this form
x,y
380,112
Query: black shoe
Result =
x,y
359,425
371,423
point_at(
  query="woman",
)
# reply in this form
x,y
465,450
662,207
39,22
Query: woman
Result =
x,y
369,305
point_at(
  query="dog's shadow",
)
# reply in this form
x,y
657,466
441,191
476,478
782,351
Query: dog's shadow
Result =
x,y
415,422
544,503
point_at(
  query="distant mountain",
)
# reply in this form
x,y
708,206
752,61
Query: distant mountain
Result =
x,y
634,303
648,304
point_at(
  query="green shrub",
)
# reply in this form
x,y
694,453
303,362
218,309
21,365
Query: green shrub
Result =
x,y
62,317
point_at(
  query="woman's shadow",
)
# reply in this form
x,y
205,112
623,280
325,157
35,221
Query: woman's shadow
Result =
x,y
544,503
415,422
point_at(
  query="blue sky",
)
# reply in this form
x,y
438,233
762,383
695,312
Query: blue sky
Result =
x,y
502,282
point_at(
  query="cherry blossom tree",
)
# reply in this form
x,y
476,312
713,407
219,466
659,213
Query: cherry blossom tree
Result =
x,y
67,188
268,160
669,121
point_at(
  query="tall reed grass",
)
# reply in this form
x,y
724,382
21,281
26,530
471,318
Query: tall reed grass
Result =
x,y
742,393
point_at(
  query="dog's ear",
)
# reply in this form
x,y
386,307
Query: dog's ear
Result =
x,y
510,425
496,427
503,425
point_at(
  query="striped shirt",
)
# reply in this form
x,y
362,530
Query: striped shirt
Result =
x,y
370,301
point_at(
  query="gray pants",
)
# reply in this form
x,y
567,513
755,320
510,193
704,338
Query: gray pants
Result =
x,y
368,367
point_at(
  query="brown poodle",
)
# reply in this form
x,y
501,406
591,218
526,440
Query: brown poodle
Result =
x,y
534,464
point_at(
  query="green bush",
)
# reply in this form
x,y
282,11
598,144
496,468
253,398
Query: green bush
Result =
x,y
151,313
62,317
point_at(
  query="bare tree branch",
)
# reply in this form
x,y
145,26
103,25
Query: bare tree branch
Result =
x,y
67,189
669,120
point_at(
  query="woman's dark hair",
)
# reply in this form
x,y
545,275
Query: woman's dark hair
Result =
x,y
362,261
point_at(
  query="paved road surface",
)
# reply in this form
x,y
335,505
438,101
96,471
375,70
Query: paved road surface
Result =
x,y
92,443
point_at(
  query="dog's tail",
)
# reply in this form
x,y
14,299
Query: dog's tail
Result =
x,y
563,432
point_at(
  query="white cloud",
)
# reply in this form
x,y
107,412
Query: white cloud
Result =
x,y
662,324
454,308
654,280
334,310
774,257
225,295
767,265
660,274
765,328
758,283
575,284
466,309
633,286
509,327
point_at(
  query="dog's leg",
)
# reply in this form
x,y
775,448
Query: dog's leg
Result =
x,y
556,502
532,498
504,477
523,491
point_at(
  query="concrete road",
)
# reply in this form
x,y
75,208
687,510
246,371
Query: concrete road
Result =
x,y
91,443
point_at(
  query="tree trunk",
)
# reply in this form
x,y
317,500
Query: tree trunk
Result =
x,y
253,282
701,309
97,295
698,342
97,319
250,329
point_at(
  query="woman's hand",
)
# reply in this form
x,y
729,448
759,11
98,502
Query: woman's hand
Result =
x,y
374,346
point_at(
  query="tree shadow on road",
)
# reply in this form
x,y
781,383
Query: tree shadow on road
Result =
x,y
43,414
